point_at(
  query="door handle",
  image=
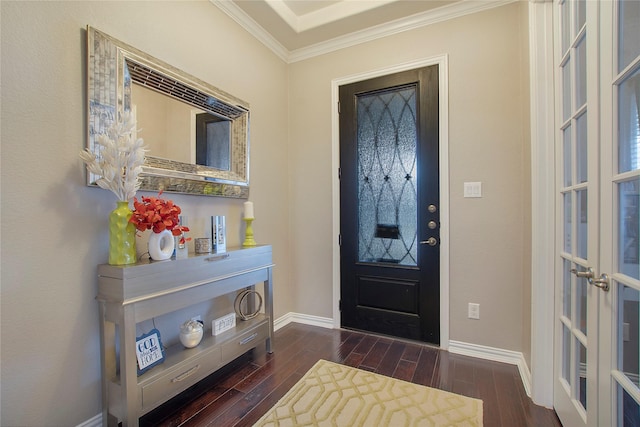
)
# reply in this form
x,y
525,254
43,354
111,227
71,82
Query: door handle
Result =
x,y
588,274
601,282
431,241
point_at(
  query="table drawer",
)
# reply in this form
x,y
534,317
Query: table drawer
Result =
x,y
244,342
180,377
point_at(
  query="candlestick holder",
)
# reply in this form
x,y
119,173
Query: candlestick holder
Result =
x,y
248,237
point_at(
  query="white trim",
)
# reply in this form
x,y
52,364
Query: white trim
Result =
x,y
496,355
92,422
542,200
252,27
305,319
443,67
397,26
419,20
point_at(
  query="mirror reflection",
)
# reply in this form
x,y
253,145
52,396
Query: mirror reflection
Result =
x,y
196,133
175,130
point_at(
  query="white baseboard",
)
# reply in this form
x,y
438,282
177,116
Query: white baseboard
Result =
x,y
92,422
496,355
305,319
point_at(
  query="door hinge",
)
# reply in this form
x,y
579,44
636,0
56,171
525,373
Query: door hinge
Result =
x,y
339,239
339,305
339,174
339,107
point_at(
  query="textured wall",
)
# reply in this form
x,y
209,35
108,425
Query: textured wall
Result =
x,y
54,229
488,142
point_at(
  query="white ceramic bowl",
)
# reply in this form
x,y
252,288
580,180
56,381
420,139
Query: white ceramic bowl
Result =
x,y
191,337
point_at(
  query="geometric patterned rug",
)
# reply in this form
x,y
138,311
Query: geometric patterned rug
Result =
x,y
331,394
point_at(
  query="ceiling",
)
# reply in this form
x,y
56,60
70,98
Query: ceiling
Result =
x,y
298,29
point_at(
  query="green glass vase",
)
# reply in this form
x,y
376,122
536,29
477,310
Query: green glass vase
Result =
x,y
122,236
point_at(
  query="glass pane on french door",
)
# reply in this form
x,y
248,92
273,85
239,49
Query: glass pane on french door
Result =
x,y
598,331
626,181
578,223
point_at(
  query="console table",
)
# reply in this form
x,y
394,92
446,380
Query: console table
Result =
x,y
131,294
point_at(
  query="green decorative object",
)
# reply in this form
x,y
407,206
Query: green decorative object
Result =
x,y
249,241
122,236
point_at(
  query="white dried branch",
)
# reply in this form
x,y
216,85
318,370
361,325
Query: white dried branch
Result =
x,y
118,158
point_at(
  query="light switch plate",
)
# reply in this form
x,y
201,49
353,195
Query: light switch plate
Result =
x,y
473,189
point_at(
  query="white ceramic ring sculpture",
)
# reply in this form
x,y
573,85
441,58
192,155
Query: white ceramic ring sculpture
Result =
x,y
161,245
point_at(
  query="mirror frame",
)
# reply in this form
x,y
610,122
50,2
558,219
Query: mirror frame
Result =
x,y
112,66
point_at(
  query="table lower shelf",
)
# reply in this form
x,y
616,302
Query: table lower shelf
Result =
x,y
184,367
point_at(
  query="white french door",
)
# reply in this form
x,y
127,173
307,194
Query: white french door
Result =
x,y
597,341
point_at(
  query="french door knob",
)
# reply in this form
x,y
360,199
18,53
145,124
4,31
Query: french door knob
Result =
x,y
588,274
601,282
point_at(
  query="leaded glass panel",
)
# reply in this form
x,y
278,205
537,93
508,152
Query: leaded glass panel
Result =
x,y
387,194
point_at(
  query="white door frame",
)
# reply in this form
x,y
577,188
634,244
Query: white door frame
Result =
x,y
542,199
443,67
542,194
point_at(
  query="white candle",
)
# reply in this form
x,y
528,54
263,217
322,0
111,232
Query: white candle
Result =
x,y
248,209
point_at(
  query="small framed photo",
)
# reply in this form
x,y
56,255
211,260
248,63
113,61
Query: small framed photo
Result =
x,y
149,351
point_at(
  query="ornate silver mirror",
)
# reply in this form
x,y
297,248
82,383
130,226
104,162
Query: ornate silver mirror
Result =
x,y
197,135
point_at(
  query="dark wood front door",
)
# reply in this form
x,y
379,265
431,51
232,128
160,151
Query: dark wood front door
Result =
x,y
389,205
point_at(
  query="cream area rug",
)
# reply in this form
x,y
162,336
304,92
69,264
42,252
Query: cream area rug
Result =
x,y
331,394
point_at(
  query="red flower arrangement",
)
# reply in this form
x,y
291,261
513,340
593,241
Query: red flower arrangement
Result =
x,y
154,213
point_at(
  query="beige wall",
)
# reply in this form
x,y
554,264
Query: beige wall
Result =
x,y
54,229
488,142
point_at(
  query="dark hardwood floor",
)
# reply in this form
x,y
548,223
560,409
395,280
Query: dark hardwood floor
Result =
x,y
242,392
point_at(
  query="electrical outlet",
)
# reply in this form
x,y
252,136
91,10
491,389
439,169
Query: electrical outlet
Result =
x,y
474,311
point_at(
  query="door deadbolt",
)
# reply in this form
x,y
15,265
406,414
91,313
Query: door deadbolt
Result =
x,y
432,225
432,208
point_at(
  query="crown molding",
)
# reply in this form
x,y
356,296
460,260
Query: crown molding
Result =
x,y
252,27
456,10
397,26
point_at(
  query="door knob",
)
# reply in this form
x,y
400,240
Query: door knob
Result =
x,y
431,241
588,274
601,282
